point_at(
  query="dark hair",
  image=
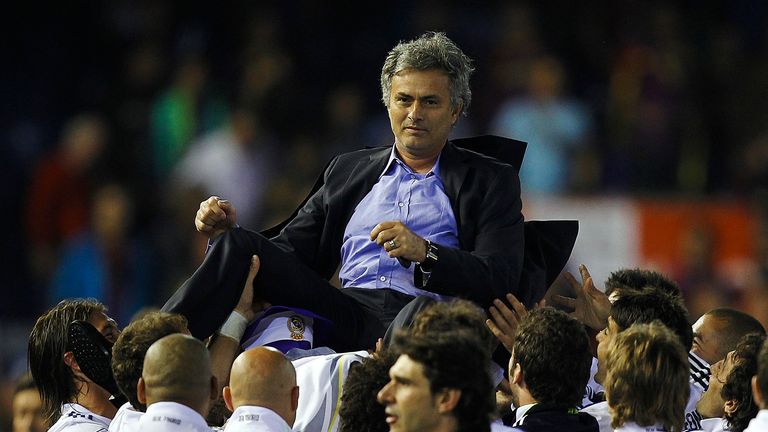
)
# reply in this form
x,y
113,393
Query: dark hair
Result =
x,y
360,411
455,360
132,345
636,279
651,304
454,315
218,413
553,352
47,345
735,325
762,369
738,385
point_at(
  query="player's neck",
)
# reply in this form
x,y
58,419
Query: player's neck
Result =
x,y
96,400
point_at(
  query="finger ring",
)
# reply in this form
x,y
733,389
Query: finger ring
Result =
x,y
392,244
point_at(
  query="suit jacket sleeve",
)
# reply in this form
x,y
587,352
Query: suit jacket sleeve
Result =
x,y
490,260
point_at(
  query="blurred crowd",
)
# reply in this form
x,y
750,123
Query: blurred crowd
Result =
x,y
120,117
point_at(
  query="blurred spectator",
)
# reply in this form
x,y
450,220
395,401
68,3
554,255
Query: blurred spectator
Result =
x,y
270,89
553,126
346,120
107,261
233,162
754,160
57,206
302,157
181,113
131,105
645,98
702,286
27,407
518,42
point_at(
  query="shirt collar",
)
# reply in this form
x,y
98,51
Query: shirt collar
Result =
x,y
192,417
701,362
263,415
394,158
80,409
634,427
521,412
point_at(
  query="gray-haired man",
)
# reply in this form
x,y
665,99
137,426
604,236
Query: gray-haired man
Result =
x,y
421,217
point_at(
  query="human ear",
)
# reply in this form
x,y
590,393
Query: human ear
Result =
x,y
516,376
69,360
226,394
447,400
455,114
295,398
141,392
757,394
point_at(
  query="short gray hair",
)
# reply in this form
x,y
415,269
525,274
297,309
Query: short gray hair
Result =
x,y
432,50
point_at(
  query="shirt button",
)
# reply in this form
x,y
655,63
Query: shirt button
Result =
x,y
382,278
400,204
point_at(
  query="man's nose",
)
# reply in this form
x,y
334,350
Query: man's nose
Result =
x,y
383,395
416,111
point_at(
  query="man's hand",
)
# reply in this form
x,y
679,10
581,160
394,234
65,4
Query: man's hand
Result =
x,y
246,306
215,216
399,241
591,306
504,321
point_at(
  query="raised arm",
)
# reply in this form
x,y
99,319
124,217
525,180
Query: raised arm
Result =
x,y
225,344
590,306
215,216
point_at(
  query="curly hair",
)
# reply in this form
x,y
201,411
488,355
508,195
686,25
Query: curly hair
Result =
x,y
455,360
132,345
432,50
650,304
553,352
360,411
48,342
738,385
640,361
636,279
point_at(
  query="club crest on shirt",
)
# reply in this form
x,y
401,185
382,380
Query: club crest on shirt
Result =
x,y
296,327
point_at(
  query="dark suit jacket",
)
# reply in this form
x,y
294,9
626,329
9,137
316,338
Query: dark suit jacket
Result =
x,y
484,194
547,418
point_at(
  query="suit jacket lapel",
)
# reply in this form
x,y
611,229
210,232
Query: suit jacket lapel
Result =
x,y
364,175
453,171
355,184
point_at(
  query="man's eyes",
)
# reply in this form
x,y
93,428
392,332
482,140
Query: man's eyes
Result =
x,y
405,99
